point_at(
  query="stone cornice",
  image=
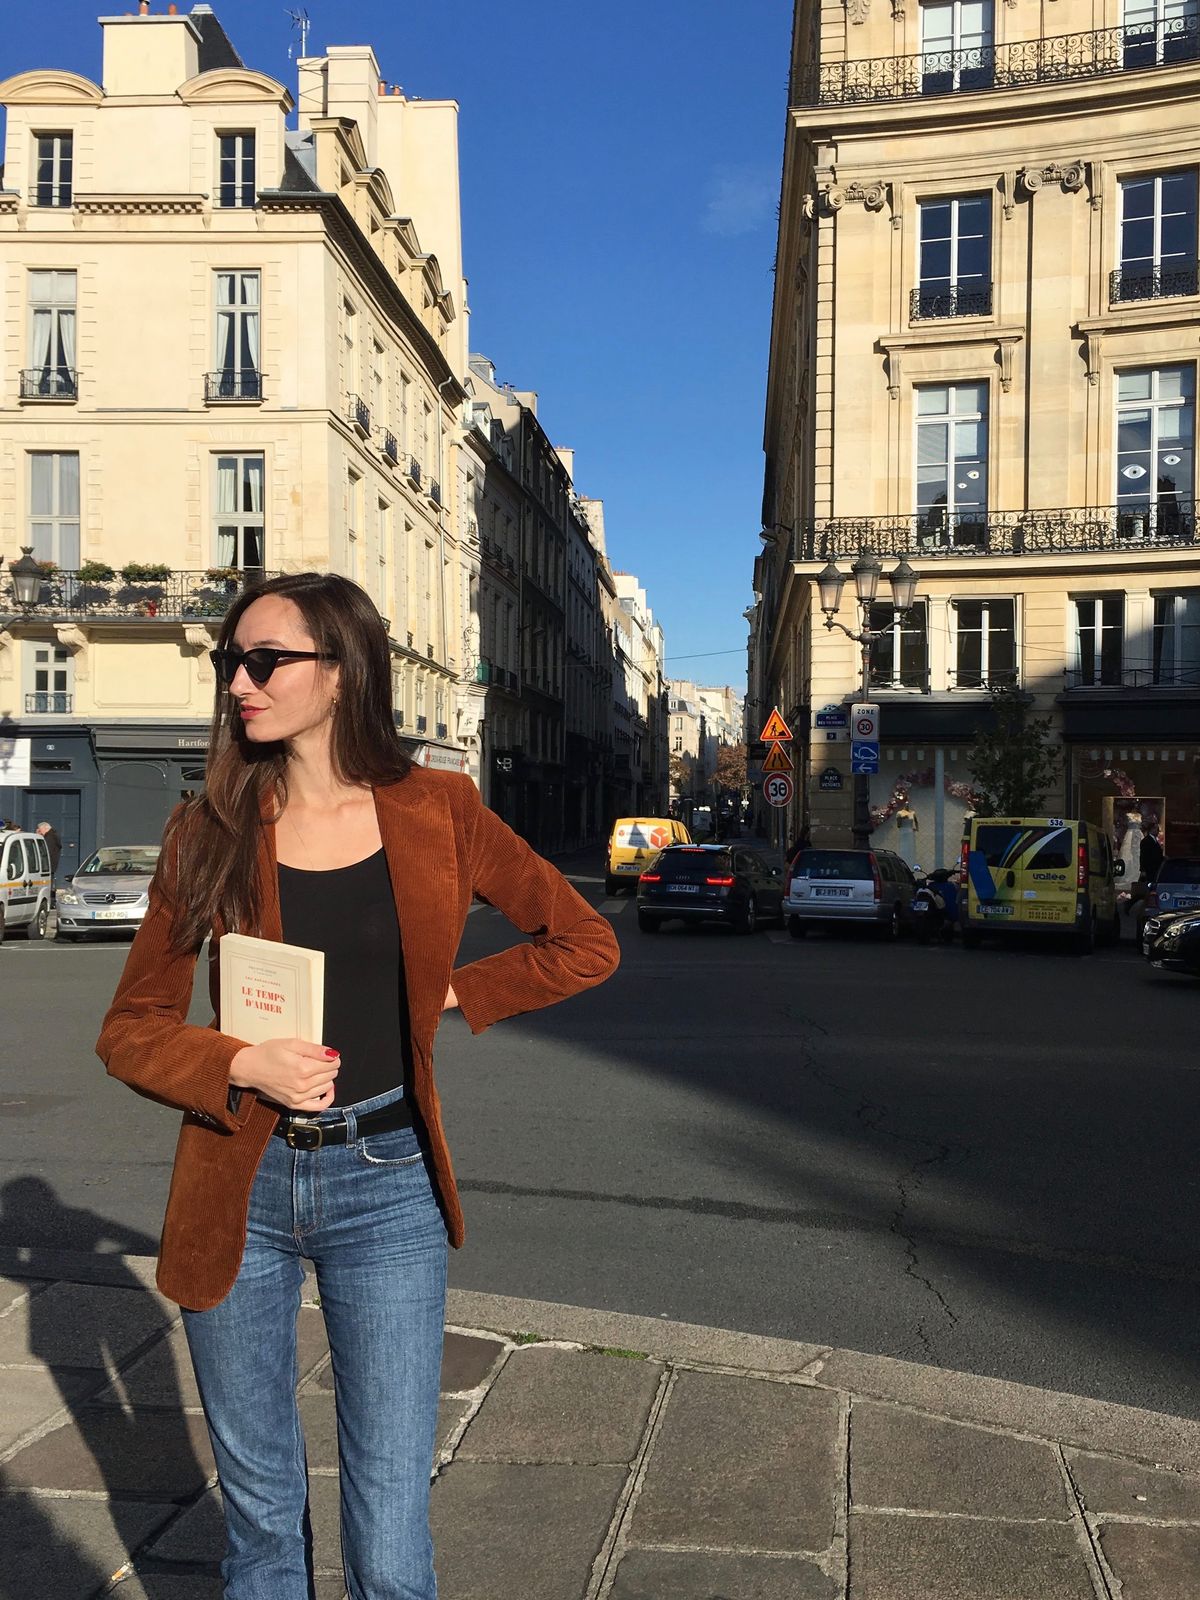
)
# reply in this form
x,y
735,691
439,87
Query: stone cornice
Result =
x,y
1141,317
139,205
895,345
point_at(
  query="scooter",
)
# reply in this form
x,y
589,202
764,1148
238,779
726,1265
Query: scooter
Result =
x,y
935,908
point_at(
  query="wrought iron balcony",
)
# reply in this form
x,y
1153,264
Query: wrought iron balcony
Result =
x,y
414,472
390,448
48,704
1152,283
960,300
359,413
1059,59
1167,523
980,678
50,383
180,596
229,385
435,491
422,724
882,676
443,732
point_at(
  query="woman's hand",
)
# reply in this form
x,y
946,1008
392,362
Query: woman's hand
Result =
x,y
450,1003
288,1072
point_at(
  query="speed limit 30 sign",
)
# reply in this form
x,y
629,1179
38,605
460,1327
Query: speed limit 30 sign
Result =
x,y
778,788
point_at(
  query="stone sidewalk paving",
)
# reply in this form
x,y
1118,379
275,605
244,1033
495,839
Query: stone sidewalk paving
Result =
x,y
590,1456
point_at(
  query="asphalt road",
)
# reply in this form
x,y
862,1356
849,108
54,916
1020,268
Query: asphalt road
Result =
x,y
982,1160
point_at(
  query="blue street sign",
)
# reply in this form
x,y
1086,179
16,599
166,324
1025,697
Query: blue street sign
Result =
x,y
832,717
864,757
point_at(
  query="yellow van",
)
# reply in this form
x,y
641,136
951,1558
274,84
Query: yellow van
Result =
x,y
1038,875
634,843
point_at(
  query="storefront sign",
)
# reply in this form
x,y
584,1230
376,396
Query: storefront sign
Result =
x,y
440,759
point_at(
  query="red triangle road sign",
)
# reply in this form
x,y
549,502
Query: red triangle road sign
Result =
x,y
776,729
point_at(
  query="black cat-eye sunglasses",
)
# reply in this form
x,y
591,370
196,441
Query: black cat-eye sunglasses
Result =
x,y
259,663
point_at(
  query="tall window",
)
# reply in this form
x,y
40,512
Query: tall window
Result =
x,y
1099,636
383,514
1177,638
956,258
1156,434
1158,237
237,355
378,383
900,656
1158,32
53,166
236,185
54,506
52,347
350,345
985,643
956,46
405,439
354,521
51,671
952,463
239,520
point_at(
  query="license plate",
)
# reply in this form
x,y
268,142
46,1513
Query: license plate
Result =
x,y
114,914
831,894
684,888
1179,904
629,867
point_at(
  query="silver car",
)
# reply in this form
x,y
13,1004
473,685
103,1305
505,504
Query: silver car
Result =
x,y
868,887
110,891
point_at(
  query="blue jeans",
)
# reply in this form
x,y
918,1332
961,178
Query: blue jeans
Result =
x,y
365,1215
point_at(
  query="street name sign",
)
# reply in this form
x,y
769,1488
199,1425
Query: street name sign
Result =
x,y
830,779
778,788
777,760
831,717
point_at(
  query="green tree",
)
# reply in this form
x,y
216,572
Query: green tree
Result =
x,y
1013,762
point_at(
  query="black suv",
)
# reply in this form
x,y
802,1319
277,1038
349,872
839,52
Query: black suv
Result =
x,y
710,883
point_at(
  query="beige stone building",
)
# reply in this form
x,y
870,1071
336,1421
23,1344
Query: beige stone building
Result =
x,y
983,360
229,347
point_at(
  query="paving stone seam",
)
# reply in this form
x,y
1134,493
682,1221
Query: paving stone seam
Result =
x,y
807,1557
835,1562
1104,1580
1135,1521
616,1540
49,1424
921,1514
449,1451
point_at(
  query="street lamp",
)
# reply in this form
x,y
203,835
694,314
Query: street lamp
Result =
x,y
26,577
866,572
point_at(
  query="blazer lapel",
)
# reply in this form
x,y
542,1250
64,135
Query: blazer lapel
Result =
x,y
417,829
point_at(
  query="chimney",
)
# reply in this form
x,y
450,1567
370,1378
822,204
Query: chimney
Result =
x,y
150,53
143,8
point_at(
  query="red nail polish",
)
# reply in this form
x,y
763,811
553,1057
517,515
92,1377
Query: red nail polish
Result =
x,y
331,1053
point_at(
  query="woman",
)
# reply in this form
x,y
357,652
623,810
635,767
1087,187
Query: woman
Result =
x,y
316,828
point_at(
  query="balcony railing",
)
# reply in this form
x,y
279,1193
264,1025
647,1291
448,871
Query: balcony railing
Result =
x,y
1152,283
1113,677
48,704
181,596
359,413
50,383
390,447
1059,59
961,300
233,386
422,723
908,678
414,472
983,678
1165,524
435,491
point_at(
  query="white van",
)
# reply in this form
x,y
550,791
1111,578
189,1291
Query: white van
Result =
x,y
25,885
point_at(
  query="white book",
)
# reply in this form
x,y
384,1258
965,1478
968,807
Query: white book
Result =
x,y
271,991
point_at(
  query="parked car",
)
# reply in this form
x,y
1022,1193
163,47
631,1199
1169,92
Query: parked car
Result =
x,y
1175,887
710,883
1171,941
26,885
634,843
872,888
109,892
1038,875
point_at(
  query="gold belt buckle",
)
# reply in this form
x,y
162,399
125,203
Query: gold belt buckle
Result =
x,y
314,1134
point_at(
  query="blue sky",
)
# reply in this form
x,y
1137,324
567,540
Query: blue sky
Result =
x,y
620,173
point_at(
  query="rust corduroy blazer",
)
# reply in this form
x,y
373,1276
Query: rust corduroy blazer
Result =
x,y
442,845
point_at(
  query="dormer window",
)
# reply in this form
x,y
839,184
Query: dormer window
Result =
x,y
53,166
236,185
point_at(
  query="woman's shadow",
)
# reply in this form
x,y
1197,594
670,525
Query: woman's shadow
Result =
x,y
128,1438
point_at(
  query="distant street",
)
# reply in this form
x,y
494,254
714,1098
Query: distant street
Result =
x,y
981,1160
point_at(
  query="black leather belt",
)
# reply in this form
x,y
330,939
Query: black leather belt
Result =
x,y
306,1133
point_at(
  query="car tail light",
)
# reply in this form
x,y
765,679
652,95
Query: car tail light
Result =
x,y
877,878
964,859
719,883
650,877
1081,875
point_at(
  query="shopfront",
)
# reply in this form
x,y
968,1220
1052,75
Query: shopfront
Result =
x,y
1134,769
145,771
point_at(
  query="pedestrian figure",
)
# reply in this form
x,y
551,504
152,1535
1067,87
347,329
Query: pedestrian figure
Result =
x,y
316,828
54,846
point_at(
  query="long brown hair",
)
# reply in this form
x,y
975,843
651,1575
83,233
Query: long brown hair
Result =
x,y
209,864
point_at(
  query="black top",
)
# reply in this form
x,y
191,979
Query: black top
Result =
x,y
350,913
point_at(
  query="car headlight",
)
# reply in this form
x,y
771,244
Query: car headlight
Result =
x,y
67,897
